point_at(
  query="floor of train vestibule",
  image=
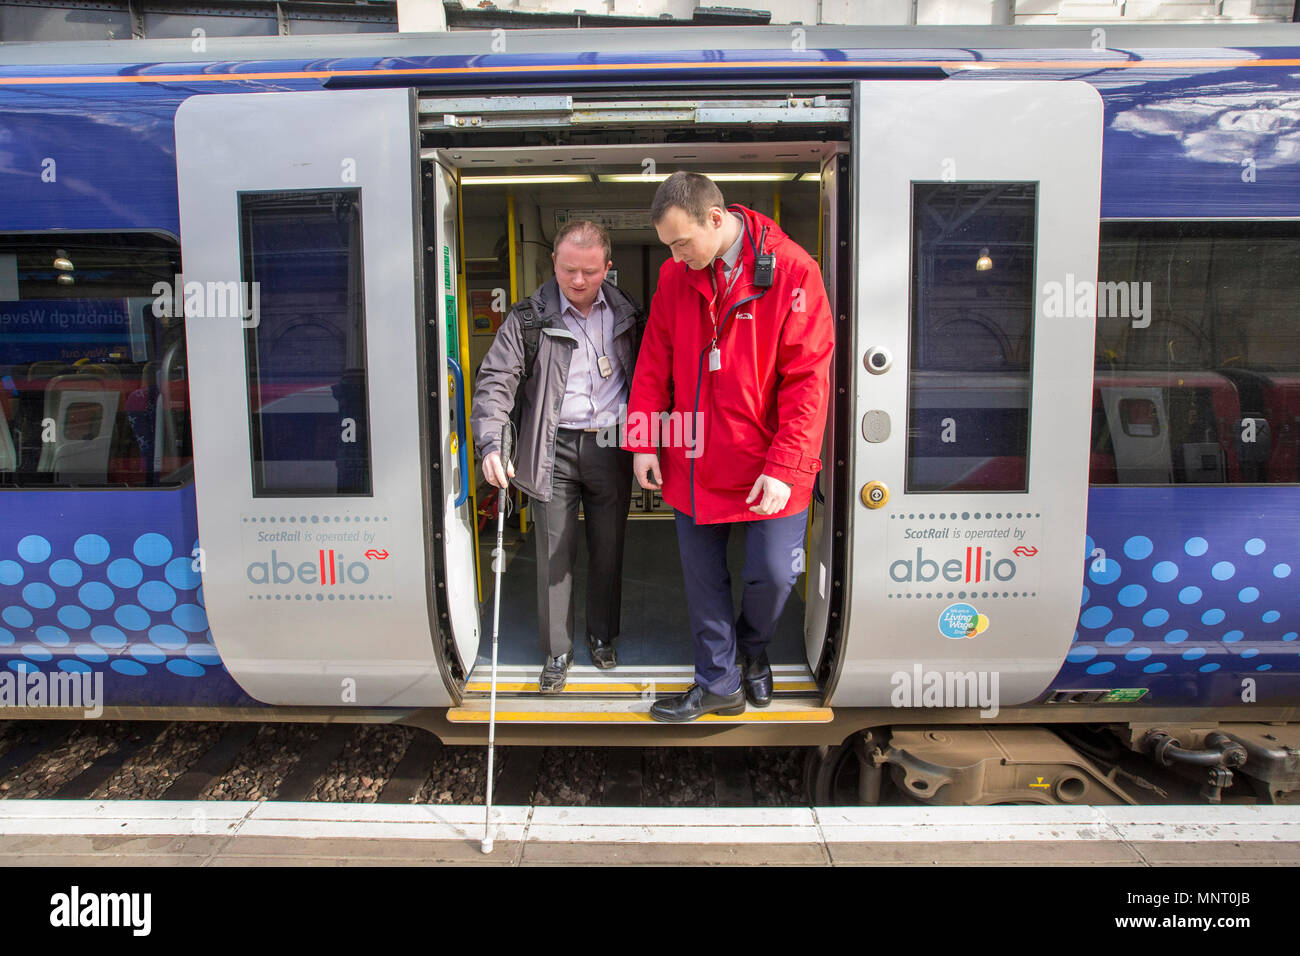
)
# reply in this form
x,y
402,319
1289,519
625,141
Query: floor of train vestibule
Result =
x,y
655,629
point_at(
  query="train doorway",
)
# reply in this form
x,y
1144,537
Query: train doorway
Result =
x,y
508,205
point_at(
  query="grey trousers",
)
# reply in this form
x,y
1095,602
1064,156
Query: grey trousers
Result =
x,y
601,478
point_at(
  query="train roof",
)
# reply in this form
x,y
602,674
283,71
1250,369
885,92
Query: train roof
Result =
x,y
818,43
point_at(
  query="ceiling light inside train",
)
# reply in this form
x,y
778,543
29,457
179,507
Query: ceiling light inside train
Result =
x,y
983,263
716,177
522,180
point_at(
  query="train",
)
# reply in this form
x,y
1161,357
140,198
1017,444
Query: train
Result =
x,y
1052,556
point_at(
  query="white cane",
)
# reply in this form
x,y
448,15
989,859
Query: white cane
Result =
x,y
498,565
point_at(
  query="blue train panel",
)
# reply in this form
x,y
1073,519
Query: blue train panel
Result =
x,y
1187,593
103,583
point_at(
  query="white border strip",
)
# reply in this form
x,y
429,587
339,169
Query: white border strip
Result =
x,y
827,825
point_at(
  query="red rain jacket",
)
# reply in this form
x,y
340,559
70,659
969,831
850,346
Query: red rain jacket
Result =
x,y
764,410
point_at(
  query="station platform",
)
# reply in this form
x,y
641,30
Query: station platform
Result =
x,y
229,833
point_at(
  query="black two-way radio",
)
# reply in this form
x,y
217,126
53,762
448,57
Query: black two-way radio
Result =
x,y
764,263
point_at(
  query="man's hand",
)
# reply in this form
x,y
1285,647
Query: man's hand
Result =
x,y
646,468
493,472
772,495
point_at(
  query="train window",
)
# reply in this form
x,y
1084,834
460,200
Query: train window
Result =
x,y
971,336
93,384
1197,374
305,342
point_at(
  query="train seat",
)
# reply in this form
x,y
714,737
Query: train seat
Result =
x,y
1281,401
1162,427
84,411
8,454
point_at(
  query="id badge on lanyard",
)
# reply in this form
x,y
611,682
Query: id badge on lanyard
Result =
x,y
715,354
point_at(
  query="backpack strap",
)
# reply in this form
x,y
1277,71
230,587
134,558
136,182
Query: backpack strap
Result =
x,y
530,324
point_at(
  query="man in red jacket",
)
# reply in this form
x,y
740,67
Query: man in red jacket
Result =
x,y
737,353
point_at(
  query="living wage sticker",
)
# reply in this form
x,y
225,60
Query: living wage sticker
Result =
x,y
962,620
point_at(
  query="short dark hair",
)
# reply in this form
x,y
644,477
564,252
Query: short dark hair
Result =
x,y
584,232
694,193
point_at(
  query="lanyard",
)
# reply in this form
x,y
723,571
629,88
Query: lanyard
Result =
x,y
582,324
603,365
719,301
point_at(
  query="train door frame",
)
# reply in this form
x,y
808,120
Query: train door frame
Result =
x,y
444,425
832,157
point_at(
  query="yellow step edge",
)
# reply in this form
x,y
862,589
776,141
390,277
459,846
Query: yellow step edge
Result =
x,y
579,688
465,715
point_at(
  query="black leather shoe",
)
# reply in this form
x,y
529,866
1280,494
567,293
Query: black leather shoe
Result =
x,y
697,702
603,654
756,675
555,674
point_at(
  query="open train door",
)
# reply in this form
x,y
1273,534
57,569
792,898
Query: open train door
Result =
x,y
977,206
325,477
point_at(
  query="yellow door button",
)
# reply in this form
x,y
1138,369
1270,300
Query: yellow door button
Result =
x,y
875,494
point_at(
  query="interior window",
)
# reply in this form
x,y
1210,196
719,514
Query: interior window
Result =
x,y
302,305
93,385
1198,355
971,336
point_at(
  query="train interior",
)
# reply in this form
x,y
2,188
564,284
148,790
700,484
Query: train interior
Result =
x,y
655,646
108,407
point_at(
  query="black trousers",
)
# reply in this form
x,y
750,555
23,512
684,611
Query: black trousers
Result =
x,y
601,478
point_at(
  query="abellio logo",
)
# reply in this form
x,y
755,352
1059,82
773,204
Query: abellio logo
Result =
x,y
330,568
979,566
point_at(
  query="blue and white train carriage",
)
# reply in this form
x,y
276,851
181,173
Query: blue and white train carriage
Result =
x,y
243,292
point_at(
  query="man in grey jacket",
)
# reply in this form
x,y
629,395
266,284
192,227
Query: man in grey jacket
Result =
x,y
585,336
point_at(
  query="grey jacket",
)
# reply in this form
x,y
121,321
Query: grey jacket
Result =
x,y
503,367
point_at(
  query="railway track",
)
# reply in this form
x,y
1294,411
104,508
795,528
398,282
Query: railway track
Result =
x,y
343,763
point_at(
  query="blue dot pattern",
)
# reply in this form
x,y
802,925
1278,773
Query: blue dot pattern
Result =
x,y
101,583
1189,598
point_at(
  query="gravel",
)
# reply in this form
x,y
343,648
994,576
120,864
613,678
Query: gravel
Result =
x,y
776,774
570,777
259,770
678,777
567,776
148,774
458,777
47,773
359,773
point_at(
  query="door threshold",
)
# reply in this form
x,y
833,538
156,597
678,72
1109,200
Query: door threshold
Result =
x,y
647,682
560,710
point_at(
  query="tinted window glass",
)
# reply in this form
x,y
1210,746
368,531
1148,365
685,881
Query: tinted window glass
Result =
x,y
1198,353
971,336
305,345
93,388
